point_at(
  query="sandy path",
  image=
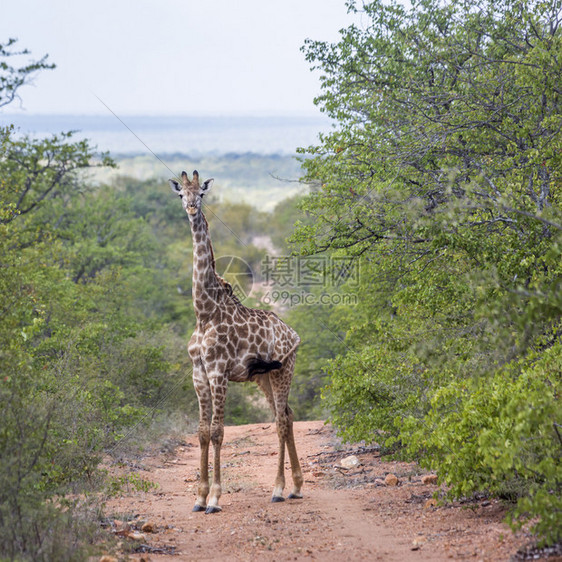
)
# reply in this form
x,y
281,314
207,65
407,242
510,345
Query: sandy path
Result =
x,y
344,515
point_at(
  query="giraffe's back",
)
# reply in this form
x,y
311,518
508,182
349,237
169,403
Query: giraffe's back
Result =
x,y
242,341
287,340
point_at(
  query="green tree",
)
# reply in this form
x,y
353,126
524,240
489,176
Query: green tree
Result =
x,y
47,431
443,178
13,78
88,349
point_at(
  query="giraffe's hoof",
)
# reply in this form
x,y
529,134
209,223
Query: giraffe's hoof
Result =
x,y
197,507
276,499
292,496
213,509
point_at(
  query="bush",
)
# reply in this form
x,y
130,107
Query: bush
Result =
x,y
500,434
40,531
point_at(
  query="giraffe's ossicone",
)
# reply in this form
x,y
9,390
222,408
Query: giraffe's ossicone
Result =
x,y
232,342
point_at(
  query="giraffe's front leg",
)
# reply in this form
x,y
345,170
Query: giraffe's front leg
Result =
x,y
204,432
280,478
218,385
203,488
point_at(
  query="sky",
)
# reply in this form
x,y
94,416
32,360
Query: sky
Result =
x,y
170,57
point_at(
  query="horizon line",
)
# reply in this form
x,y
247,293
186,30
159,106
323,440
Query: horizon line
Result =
x,y
305,114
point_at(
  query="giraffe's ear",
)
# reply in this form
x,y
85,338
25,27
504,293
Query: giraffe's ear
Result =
x,y
176,187
206,186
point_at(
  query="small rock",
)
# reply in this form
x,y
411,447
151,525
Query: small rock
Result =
x,y
379,482
350,462
136,536
417,544
391,480
429,479
148,527
318,473
107,558
431,502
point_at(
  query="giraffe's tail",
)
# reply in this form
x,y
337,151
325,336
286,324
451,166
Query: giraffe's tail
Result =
x,y
259,366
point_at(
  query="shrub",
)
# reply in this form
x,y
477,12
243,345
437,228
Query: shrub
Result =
x,y
500,434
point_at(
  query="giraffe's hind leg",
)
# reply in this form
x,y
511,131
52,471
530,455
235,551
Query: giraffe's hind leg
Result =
x,y
265,386
294,459
264,383
280,382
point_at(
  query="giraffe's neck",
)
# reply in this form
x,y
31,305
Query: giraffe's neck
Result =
x,y
207,289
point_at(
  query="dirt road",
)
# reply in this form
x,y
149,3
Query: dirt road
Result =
x,y
345,514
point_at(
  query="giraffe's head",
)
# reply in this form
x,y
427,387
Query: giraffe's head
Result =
x,y
191,192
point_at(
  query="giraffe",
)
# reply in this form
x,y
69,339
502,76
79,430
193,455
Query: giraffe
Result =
x,y
232,342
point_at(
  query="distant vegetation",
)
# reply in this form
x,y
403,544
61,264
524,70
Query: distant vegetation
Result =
x,y
257,179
